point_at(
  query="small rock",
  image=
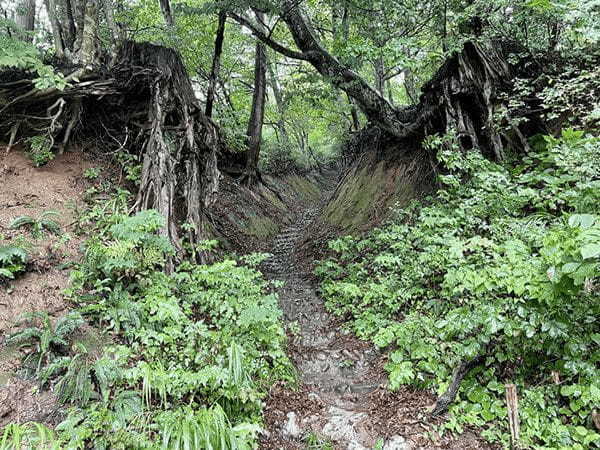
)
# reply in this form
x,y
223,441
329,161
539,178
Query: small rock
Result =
x,y
315,397
396,443
353,445
291,428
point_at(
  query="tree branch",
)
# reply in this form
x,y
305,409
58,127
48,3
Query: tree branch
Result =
x,y
266,39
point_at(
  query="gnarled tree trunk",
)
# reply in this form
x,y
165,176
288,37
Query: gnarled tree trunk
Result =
x,y
461,95
146,103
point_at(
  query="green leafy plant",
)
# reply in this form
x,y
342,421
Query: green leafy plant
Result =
x,y
13,260
92,173
39,225
316,442
504,266
45,340
28,435
40,150
201,335
23,55
207,428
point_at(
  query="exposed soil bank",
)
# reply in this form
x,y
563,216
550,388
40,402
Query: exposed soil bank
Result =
x,y
29,191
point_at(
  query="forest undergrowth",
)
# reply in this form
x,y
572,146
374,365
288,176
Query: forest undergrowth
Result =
x,y
498,271
150,359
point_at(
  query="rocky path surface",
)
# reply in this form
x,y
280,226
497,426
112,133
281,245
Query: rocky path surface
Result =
x,y
335,368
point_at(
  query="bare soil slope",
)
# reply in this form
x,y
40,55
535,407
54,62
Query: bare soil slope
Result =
x,y
30,191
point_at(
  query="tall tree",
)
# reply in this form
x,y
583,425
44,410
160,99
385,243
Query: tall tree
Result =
x,y
51,9
216,63
165,7
282,134
25,18
255,123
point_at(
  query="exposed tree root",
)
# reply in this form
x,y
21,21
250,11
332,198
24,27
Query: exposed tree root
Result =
x,y
145,103
443,402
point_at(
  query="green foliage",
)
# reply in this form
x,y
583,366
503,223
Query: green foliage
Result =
x,y
504,263
23,55
13,260
316,442
195,350
39,225
105,205
40,150
44,339
131,249
82,376
29,435
186,428
92,173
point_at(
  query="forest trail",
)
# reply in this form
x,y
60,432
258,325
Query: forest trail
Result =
x,y
337,369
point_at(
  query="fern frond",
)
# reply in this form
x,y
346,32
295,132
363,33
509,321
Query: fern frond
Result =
x,y
76,386
24,337
57,366
67,324
6,273
22,221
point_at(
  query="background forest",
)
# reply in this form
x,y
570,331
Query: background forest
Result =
x,y
478,267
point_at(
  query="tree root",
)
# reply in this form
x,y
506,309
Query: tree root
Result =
x,y
443,402
145,93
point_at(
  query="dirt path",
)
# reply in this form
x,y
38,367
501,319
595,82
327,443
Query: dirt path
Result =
x,y
336,369
342,397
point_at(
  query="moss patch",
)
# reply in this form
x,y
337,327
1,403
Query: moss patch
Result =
x,y
306,188
370,190
262,227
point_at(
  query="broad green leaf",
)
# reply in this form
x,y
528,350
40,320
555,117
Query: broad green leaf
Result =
x,y
590,251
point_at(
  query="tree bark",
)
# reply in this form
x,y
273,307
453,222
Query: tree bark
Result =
x,y
284,140
216,63
165,7
380,75
79,9
69,28
25,18
116,35
88,51
56,28
255,122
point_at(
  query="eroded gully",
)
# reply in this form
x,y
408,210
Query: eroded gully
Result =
x,y
338,374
